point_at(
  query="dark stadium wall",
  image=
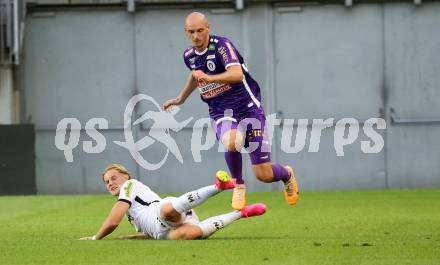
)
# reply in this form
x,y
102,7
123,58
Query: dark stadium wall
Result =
x,y
17,159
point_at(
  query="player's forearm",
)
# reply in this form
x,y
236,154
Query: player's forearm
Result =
x,y
186,91
228,77
107,228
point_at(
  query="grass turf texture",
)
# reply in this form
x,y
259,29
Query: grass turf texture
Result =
x,y
369,227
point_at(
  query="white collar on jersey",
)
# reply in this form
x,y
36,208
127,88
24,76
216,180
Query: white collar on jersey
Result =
x,y
202,52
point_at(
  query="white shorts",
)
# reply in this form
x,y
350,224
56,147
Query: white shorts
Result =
x,y
159,228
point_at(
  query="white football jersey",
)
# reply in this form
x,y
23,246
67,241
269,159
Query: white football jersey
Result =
x,y
143,205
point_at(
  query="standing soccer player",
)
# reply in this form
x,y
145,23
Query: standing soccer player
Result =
x,y
224,83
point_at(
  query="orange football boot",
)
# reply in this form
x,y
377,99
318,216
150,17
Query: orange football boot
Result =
x,y
291,192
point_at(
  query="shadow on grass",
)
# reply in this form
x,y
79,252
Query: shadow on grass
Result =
x,y
248,238
213,238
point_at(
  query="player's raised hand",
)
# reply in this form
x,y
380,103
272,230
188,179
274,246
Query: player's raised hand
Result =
x,y
168,105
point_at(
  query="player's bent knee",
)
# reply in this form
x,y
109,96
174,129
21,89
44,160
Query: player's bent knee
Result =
x,y
263,173
186,232
233,147
192,235
167,212
191,232
263,177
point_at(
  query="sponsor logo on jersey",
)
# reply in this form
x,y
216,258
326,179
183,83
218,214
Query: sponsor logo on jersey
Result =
x,y
127,189
211,47
212,90
223,53
210,65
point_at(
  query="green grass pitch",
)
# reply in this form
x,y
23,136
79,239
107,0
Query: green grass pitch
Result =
x,y
370,227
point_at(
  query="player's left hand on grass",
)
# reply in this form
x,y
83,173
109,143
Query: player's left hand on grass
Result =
x,y
87,238
201,76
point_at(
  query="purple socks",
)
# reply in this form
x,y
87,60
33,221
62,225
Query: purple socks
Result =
x,y
234,162
279,173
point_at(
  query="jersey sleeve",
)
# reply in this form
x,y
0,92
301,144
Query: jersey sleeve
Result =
x,y
128,192
186,56
227,53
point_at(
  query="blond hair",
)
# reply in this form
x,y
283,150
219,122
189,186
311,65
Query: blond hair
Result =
x,y
118,167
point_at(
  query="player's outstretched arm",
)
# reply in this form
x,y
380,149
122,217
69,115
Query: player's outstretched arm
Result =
x,y
114,218
189,87
232,75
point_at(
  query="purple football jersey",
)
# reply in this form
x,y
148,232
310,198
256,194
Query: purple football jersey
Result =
x,y
243,98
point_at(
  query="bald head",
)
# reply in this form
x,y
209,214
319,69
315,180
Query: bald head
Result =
x,y
197,29
196,18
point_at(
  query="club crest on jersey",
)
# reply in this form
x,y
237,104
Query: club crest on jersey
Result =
x,y
210,65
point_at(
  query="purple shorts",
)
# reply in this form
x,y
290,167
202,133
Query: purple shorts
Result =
x,y
252,126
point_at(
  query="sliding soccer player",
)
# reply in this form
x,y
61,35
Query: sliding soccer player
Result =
x,y
168,218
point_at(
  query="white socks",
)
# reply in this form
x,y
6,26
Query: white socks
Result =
x,y
213,224
192,199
